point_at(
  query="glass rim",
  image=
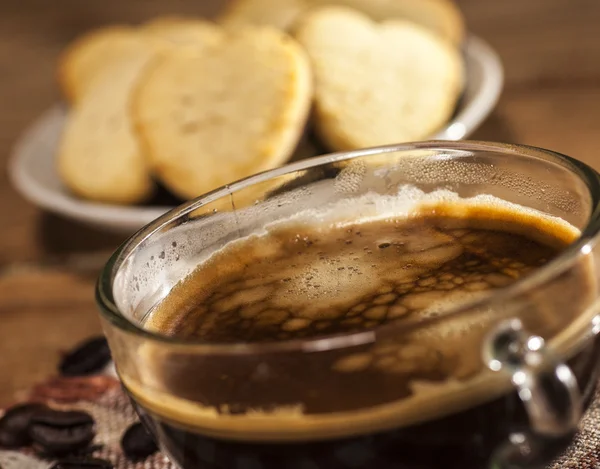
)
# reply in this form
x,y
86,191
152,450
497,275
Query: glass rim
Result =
x,y
583,245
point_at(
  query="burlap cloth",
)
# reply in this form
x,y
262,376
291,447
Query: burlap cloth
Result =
x,y
104,399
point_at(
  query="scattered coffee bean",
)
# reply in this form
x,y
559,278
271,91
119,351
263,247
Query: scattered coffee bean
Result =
x,y
14,425
82,463
61,432
137,443
87,358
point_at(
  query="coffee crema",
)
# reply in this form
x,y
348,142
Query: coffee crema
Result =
x,y
307,280
300,281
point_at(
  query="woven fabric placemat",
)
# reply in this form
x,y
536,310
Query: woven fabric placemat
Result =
x,y
104,399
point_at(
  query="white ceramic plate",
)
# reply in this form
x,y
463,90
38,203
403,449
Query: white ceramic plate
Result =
x,y
33,172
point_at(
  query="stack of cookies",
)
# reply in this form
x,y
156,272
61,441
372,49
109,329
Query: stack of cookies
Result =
x,y
194,105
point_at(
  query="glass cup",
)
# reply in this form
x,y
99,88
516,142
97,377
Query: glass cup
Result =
x,y
238,406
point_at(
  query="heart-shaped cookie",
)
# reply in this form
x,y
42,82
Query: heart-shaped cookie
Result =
x,y
210,117
442,17
100,156
378,83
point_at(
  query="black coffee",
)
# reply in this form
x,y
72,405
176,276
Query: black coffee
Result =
x,y
408,398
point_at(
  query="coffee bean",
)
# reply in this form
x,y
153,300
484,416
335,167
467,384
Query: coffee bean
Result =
x,y
14,425
82,463
137,443
87,358
61,432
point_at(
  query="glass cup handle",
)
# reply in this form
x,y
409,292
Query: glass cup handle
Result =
x,y
547,388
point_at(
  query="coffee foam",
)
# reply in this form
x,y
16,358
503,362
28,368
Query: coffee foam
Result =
x,y
407,201
150,272
428,401
339,283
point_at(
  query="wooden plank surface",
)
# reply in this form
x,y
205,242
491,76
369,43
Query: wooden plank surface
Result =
x,y
48,265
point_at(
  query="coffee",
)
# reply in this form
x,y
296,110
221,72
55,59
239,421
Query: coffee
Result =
x,y
415,397
304,282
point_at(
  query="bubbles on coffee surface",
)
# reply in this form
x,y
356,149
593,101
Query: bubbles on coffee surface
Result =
x,y
302,280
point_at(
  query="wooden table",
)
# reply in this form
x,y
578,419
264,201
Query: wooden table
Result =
x,y
550,48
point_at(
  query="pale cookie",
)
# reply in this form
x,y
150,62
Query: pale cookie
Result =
x,y
99,156
210,117
88,56
378,84
441,16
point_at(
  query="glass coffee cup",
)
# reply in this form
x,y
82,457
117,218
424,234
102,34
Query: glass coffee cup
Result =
x,y
329,400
